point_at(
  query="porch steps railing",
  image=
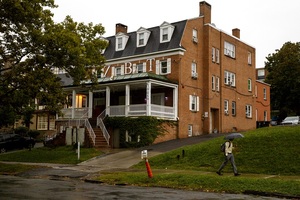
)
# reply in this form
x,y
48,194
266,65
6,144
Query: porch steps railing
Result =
x,y
101,125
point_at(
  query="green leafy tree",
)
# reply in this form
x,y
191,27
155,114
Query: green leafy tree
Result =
x,y
32,46
284,76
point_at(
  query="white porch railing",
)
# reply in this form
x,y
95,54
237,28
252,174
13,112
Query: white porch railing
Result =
x,y
78,113
102,126
141,110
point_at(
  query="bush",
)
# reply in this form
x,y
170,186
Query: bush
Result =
x,y
21,131
33,133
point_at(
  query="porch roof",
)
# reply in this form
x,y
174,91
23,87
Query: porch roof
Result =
x,y
66,82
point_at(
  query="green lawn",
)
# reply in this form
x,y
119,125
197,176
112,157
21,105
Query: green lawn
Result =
x,y
60,155
268,159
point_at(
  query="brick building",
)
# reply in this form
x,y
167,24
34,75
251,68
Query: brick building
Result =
x,y
190,72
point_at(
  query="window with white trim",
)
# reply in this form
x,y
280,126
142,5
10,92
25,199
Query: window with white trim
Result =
x,y
249,58
166,32
265,93
194,70
213,54
121,40
248,111
213,83
141,67
142,37
249,85
229,49
217,84
195,36
117,71
233,108
217,56
194,103
163,66
42,122
226,107
229,78
190,130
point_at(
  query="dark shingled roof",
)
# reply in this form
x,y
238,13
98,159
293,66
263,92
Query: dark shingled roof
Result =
x,y
153,44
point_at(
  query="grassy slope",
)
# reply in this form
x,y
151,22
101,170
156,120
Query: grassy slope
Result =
x,y
271,150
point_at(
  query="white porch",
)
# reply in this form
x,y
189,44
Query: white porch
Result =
x,y
126,99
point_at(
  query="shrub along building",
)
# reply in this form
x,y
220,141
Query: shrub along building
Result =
x,y
189,72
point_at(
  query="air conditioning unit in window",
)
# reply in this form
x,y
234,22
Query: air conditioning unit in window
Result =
x,y
195,39
194,75
226,112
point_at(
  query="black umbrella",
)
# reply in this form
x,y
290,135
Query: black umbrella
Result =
x,y
233,136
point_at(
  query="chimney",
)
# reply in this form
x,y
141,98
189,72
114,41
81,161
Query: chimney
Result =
x,y
205,10
121,28
236,32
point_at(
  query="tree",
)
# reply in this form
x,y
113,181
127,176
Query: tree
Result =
x,y
32,46
284,76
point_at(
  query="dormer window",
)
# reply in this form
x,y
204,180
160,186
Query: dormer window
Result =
x,y
121,40
166,32
142,37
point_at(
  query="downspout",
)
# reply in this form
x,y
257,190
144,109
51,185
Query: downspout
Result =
x,y
221,82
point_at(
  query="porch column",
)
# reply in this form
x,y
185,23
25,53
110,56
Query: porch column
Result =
x,y
148,98
90,113
73,103
175,102
107,99
127,99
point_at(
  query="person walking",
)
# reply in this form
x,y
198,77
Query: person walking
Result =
x,y
228,157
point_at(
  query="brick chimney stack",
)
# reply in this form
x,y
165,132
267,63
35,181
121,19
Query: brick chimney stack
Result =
x,y
236,32
205,10
121,28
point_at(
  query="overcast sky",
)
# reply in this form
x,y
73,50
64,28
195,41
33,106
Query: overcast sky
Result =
x,y
264,24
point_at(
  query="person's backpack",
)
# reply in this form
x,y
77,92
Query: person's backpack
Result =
x,y
223,146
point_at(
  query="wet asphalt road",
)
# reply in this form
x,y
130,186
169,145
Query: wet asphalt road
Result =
x,y
15,188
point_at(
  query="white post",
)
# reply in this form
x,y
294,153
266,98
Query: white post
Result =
x,y
127,99
73,103
107,100
90,113
148,98
78,150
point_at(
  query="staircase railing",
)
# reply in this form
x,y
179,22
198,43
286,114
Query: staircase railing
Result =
x,y
102,126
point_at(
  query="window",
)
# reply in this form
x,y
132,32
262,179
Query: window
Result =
x,y
166,32
217,56
42,123
121,40
190,130
213,83
117,71
229,49
213,54
226,107
229,78
141,67
163,66
194,70
249,58
195,36
217,84
265,93
265,115
233,108
249,85
194,103
120,43
248,111
142,37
